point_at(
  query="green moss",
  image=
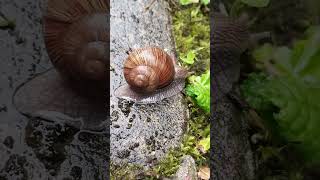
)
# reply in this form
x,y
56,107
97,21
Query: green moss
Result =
x,y
191,29
192,36
124,172
198,129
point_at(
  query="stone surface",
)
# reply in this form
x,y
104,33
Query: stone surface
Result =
x,y
187,169
231,155
141,134
45,146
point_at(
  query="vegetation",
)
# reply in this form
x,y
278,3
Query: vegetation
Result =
x,y
280,81
6,23
192,37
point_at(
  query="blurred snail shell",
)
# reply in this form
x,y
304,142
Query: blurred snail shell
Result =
x,y
76,38
229,34
152,75
229,38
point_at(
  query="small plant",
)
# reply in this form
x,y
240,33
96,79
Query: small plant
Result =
x,y
199,89
256,3
6,23
292,84
186,2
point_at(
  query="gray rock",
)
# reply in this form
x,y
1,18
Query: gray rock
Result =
x,y
231,156
187,169
141,133
40,147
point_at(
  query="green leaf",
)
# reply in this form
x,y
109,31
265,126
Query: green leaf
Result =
x,y
256,3
205,143
205,2
253,91
186,2
282,60
299,114
263,53
4,23
269,152
295,92
199,89
189,59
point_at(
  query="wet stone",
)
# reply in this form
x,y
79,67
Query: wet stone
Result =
x,y
135,145
123,154
48,139
187,169
148,119
129,126
116,126
114,116
125,106
76,172
15,167
3,108
8,142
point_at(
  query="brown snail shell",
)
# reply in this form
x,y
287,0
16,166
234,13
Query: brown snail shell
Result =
x,y
152,75
76,37
229,38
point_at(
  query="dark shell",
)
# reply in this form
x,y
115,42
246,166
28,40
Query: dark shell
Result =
x,y
148,69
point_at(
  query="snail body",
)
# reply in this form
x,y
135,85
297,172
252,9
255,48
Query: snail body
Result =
x,y
76,37
152,75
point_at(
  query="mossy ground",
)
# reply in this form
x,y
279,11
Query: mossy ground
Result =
x,y
192,33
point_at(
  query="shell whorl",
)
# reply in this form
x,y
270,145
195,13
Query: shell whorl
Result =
x,y
229,33
148,69
76,37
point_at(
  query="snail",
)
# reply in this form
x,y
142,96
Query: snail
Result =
x,y
229,39
151,75
76,35
76,38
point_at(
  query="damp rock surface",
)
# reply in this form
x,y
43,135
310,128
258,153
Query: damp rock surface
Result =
x,y
232,157
141,134
187,169
38,147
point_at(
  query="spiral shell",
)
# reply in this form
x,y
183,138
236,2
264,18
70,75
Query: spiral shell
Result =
x,y
229,34
152,75
76,37
148,69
